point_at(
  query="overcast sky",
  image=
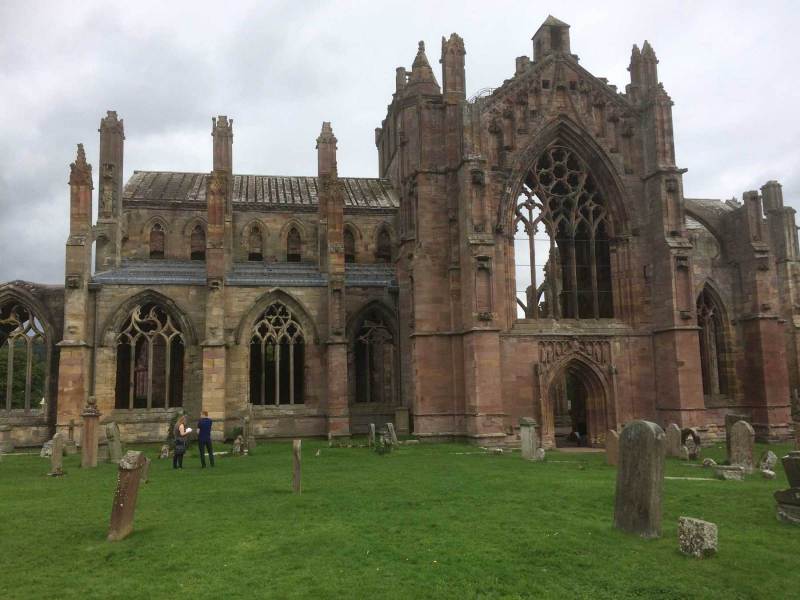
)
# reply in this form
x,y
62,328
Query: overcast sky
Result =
x,y
280,68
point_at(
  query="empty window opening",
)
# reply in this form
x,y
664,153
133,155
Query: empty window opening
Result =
x,y
157,241
255,245
294,246
198,243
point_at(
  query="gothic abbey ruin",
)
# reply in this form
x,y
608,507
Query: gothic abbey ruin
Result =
x,y
527,252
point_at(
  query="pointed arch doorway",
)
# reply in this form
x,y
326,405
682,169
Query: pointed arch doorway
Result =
x,y
575,405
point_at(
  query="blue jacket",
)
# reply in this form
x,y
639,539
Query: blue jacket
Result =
x,y
204,429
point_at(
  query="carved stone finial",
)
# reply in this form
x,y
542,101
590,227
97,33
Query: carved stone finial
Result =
x,y
326,134
80,170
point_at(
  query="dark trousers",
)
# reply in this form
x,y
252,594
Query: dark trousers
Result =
x,y
202,446
177,461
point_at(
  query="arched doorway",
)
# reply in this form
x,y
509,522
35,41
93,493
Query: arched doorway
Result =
x,y
574,407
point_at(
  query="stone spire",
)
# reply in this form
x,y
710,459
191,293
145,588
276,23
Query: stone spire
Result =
x,y
222,132
649,68
80,172
326,150
422,79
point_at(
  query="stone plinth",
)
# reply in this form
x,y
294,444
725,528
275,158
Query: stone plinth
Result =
x,y
91,417
697,538
528,438
640,479
125,496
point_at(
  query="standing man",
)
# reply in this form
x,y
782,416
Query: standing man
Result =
x,y
204,439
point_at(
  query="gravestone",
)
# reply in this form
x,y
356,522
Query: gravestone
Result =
x,y
730,420
539,455
238,448
129,476
89,445
767,474
57,456
330,439
788,509
767,461
249,436
70,446
371,438
640,479
691,439
684,453
673,433
742,440
528,437
697,538
146,471
392,434
612,447
114,442
6,444
729,472
297,485
47,449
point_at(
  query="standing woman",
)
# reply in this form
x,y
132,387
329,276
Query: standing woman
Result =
x,y
181,433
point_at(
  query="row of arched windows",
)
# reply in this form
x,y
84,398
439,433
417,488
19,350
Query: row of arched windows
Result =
x,y
255,244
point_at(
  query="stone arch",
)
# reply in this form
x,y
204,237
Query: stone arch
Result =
x,y
350,238
298,310
191,223
244,233
296,225
599,413
373,357
152,221
17,290
115,321
384,229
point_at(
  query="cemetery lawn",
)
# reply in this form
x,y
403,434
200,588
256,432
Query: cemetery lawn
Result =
x,y
428,521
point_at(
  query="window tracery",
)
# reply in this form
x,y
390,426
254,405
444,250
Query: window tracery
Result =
x,y
561,221
375,357
23,358
277,358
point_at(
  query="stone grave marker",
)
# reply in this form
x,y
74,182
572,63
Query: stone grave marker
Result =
x,y
70,446
392,434
297,474
528,437
47,449
89,442
129,476
371,438
691,439
238,446
788,509
767,461
742,440
729,472
640,479
730,420
57,456
674,443
146,470
612,447
697,538
330,439
684,453
114,442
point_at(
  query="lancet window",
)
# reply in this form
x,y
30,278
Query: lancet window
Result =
x,y
23,358
383,248
349,246
150,349
198,243
157,241
294,246
374,357
277,358
561,242
712,345
255,245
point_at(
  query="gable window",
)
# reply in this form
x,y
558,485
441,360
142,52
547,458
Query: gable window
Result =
x,y
255,245
349,246
383,248
157,241
198,243
294,246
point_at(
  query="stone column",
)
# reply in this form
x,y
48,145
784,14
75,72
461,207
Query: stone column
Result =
x,y
91,416
124,508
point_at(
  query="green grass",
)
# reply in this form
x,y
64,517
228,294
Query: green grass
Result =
x,y
428,521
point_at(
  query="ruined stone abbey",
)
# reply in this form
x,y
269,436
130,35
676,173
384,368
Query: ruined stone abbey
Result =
x,y
525,252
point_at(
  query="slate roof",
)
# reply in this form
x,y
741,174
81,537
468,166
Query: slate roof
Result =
x,y
174,272
268,191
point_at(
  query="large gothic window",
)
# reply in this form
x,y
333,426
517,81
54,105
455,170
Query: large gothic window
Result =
x,y
294,246
712,345
23,358
198,243
561,241
277,358
374,357
150,350
157,241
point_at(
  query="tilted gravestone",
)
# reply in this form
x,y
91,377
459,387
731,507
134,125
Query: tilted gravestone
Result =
x,y
114,442
238,446
129,476
612,447
730,420
528,438
297,474
392,434
788,509
57,456
742,440
640,479
674,443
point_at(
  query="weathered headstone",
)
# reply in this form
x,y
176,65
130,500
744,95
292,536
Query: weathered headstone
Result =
x,y
371,435
392,434
91,417
709,462
6,444
729,472
297,474
788,509
528,437
164,451
730,420
673,433
539,455
114,442
122,512
742,439
330,439
697,538
767,461
612,447
47,449
640,479
57,456
684,453
70,446
238,448
146,470
691,439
